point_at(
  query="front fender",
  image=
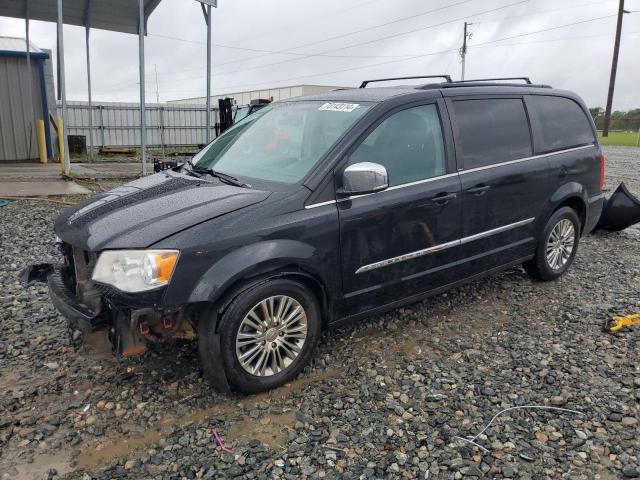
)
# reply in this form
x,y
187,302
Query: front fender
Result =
x,y
251,260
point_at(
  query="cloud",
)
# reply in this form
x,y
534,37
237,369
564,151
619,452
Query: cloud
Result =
x,y
341,42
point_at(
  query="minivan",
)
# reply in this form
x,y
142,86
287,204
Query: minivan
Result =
x,y
326,208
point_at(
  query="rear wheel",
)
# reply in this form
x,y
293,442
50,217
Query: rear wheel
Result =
x,y
557,246
268,334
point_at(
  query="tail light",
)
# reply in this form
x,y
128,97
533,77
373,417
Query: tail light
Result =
x,y
602,159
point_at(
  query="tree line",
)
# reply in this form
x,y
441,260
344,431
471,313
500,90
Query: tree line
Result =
x,y
619,120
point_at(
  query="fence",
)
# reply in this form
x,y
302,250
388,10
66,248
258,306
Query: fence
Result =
x,y
118,124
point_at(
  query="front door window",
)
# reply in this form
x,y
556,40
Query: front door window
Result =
x,y
408,144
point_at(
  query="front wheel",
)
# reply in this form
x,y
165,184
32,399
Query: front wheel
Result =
x,y
557,246
268,334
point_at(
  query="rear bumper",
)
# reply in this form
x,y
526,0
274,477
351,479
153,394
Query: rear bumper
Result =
x,y
621,210
68,304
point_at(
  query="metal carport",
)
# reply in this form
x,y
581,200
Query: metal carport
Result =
x,y
115,15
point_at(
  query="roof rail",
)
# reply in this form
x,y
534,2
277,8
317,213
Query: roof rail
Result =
x,y
366,82
524,79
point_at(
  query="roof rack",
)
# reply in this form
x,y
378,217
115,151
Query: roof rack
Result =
x,y
366,82
484,82
524,79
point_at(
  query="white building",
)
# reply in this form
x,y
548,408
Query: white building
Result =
x,y
244,98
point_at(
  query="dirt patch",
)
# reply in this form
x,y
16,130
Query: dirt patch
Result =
x,y
41,464
271,429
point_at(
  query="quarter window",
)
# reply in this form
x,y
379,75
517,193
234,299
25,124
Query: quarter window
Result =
x,y
408,144
563,124
491,131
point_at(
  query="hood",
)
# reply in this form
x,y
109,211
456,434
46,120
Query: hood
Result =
x,y
143,212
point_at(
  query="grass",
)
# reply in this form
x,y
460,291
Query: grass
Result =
x,y
629,139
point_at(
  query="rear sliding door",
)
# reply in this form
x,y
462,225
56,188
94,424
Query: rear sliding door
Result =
x,y
504,187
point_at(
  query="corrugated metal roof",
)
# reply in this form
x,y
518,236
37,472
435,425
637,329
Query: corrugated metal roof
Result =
x,y
115,15
14,44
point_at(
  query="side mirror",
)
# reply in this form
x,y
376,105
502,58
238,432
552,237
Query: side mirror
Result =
x,y
364,177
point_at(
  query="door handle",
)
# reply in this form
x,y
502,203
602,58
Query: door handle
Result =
x,y
443,198
479,189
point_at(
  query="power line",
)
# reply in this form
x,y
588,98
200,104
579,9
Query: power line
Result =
x,y
546,12
379,39
562,39
233,47
308,55
412,57
431,53
324,54
355,32
312,20
288,50
487,44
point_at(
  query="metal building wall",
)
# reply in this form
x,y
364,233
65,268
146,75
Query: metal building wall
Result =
x,y
18,109
118,124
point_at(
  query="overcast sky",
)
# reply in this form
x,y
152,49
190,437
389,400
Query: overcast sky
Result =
x,y
341,42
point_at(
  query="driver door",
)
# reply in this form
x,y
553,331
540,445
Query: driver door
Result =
x,y
401,241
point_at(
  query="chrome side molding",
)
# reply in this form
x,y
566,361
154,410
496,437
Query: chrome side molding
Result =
x,y
443,246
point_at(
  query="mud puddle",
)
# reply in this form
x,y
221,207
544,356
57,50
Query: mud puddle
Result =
x,y
41,464
271,429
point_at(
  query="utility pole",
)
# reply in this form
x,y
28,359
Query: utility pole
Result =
x,y
155,68
614,68
463,49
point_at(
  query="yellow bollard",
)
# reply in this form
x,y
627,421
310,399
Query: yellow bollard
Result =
x,y
42,144
61,143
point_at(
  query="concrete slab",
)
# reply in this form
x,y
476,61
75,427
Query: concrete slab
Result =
x,y
51,171
41,188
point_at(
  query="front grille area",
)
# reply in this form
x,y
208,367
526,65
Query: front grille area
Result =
x,y
77,270
68,268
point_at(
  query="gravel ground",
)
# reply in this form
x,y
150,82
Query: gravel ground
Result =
x,y
384,398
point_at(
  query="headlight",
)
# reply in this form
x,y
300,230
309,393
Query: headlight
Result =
x,y
135,270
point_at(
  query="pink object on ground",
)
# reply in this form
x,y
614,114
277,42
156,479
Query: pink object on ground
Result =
x,y
219,441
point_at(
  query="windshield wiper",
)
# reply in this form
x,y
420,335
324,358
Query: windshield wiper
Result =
x,y
222,176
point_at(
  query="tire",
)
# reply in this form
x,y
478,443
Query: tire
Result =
x,y
270,356
565,225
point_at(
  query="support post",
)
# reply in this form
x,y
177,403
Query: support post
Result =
x,y
29,81
614,69
62,132
101,115
208,136
143,126
87,28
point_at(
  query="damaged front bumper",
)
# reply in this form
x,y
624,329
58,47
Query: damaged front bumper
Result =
x,y
130,320
67,303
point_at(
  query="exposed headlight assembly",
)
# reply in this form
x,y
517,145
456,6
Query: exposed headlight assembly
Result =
x,y
135,270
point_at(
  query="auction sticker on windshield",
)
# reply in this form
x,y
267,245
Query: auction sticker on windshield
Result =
x,y
339,107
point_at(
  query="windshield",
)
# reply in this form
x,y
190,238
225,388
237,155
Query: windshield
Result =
x,y
241,113
280,142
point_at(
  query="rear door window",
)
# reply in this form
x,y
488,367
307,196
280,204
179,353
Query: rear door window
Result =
x,y
561,121
491,131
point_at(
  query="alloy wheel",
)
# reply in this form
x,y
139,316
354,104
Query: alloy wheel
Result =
x,y
271,335
560,244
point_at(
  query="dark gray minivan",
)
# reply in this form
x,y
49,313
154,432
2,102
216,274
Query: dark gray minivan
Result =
x,y
327,208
